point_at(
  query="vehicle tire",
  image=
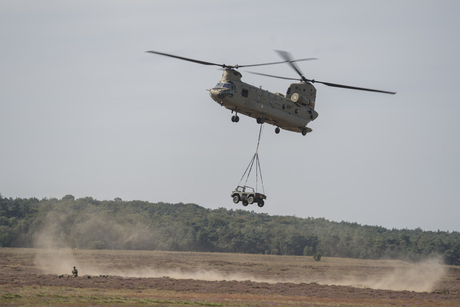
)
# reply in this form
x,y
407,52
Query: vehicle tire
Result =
x,y
261,204
245,203
236,199
251,200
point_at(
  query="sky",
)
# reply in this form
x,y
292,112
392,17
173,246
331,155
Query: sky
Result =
x,y
84,110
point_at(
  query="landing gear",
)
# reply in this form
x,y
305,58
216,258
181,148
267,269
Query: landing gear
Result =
x,y
277,130
260,120
304,131
235,117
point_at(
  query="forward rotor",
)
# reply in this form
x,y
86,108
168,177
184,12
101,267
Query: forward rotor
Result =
x,y
224,65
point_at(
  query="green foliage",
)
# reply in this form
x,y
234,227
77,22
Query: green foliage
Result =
x,y
86,223
317,256
6,236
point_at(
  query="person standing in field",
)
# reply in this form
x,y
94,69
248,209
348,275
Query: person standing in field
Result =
x,y
75,272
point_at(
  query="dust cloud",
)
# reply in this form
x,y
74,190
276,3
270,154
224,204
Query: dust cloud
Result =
x,y
50,257
62,261
55,255
53,258
419,277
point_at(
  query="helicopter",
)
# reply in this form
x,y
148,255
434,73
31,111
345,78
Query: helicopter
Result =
x,y
291,112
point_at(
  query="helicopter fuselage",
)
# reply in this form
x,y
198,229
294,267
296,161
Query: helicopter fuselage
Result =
x,y
291,112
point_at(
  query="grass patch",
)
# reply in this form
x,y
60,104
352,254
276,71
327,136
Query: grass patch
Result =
x,y
9,296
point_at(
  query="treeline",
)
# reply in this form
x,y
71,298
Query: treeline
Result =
x,y
86,223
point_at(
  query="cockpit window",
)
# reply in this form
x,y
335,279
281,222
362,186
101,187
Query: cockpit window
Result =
x,y
224,85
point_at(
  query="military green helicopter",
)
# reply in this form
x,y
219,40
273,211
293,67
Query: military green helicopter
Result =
x,y
291,112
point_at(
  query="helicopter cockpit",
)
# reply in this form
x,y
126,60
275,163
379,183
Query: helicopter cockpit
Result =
x,y
227,85
225,88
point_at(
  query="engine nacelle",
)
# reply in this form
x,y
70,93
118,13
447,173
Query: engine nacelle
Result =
x,y
302,100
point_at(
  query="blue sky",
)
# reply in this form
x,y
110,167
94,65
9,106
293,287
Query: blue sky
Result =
x,y
85,111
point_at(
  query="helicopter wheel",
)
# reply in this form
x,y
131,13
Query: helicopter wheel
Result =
x,y
277,130
235,118
304,131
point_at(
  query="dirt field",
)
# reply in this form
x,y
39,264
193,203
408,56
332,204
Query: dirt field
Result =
x,y
130,278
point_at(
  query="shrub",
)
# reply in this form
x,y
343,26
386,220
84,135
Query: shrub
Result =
x,y
317,256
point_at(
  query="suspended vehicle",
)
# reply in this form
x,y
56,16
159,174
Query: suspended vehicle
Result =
x,y
292,111
246,194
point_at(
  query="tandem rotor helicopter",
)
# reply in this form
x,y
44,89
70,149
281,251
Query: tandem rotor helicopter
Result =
x,y
291,112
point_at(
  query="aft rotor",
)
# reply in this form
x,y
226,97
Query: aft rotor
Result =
x,y
288,59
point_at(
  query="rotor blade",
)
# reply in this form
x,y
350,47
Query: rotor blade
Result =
x,y
350,87
187,59
273,63
223,65
279,77
325,83
288,58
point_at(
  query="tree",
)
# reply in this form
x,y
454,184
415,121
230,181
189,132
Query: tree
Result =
x,y
317,256
118,224
6,236
68,197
